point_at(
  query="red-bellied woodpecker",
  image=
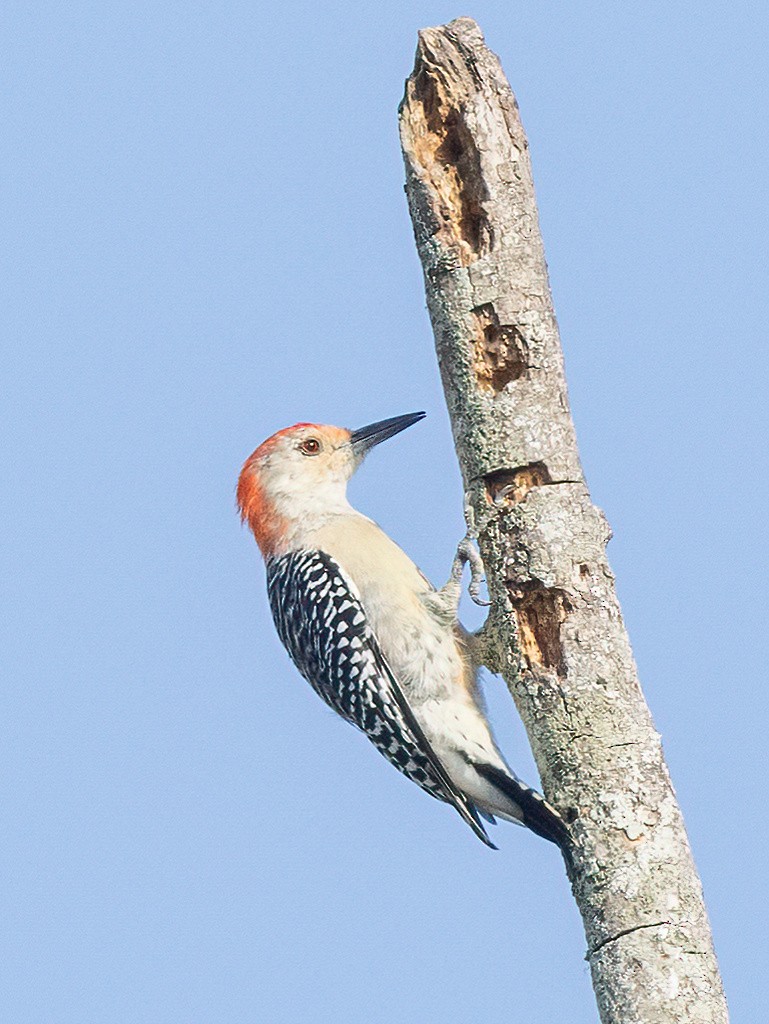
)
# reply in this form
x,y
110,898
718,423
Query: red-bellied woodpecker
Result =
x,y
370,634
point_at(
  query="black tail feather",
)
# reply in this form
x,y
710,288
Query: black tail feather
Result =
x,y
538,815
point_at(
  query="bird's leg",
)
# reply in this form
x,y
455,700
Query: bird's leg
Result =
x,y
450,592
468,553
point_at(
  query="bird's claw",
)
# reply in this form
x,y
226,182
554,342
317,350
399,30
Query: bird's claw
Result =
x,y
468,554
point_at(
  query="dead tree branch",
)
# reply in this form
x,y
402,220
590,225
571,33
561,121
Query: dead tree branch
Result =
x,y
556,632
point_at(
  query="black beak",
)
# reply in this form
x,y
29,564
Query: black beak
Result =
x,y
363,439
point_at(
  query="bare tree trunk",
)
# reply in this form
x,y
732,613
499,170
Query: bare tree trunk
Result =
x,y
556,632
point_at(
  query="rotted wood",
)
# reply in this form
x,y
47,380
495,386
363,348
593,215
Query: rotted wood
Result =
x,y
555,632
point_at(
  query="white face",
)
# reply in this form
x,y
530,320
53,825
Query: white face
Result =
x,y
297,479
305,471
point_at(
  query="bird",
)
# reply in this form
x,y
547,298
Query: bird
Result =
x,y
372,636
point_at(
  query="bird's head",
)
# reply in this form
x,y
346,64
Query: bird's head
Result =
x,y
300,475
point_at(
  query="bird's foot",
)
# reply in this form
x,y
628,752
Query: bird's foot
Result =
x,y
468,554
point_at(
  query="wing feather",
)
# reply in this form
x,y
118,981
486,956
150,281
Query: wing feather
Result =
x,y
324,628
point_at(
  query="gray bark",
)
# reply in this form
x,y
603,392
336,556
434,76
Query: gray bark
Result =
x,y
555,631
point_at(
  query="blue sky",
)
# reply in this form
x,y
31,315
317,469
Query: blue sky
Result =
x,y
205,239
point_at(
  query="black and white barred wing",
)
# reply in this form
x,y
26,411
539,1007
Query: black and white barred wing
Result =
x,y
324,629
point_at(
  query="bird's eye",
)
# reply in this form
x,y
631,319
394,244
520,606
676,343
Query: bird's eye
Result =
x,y
310,447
